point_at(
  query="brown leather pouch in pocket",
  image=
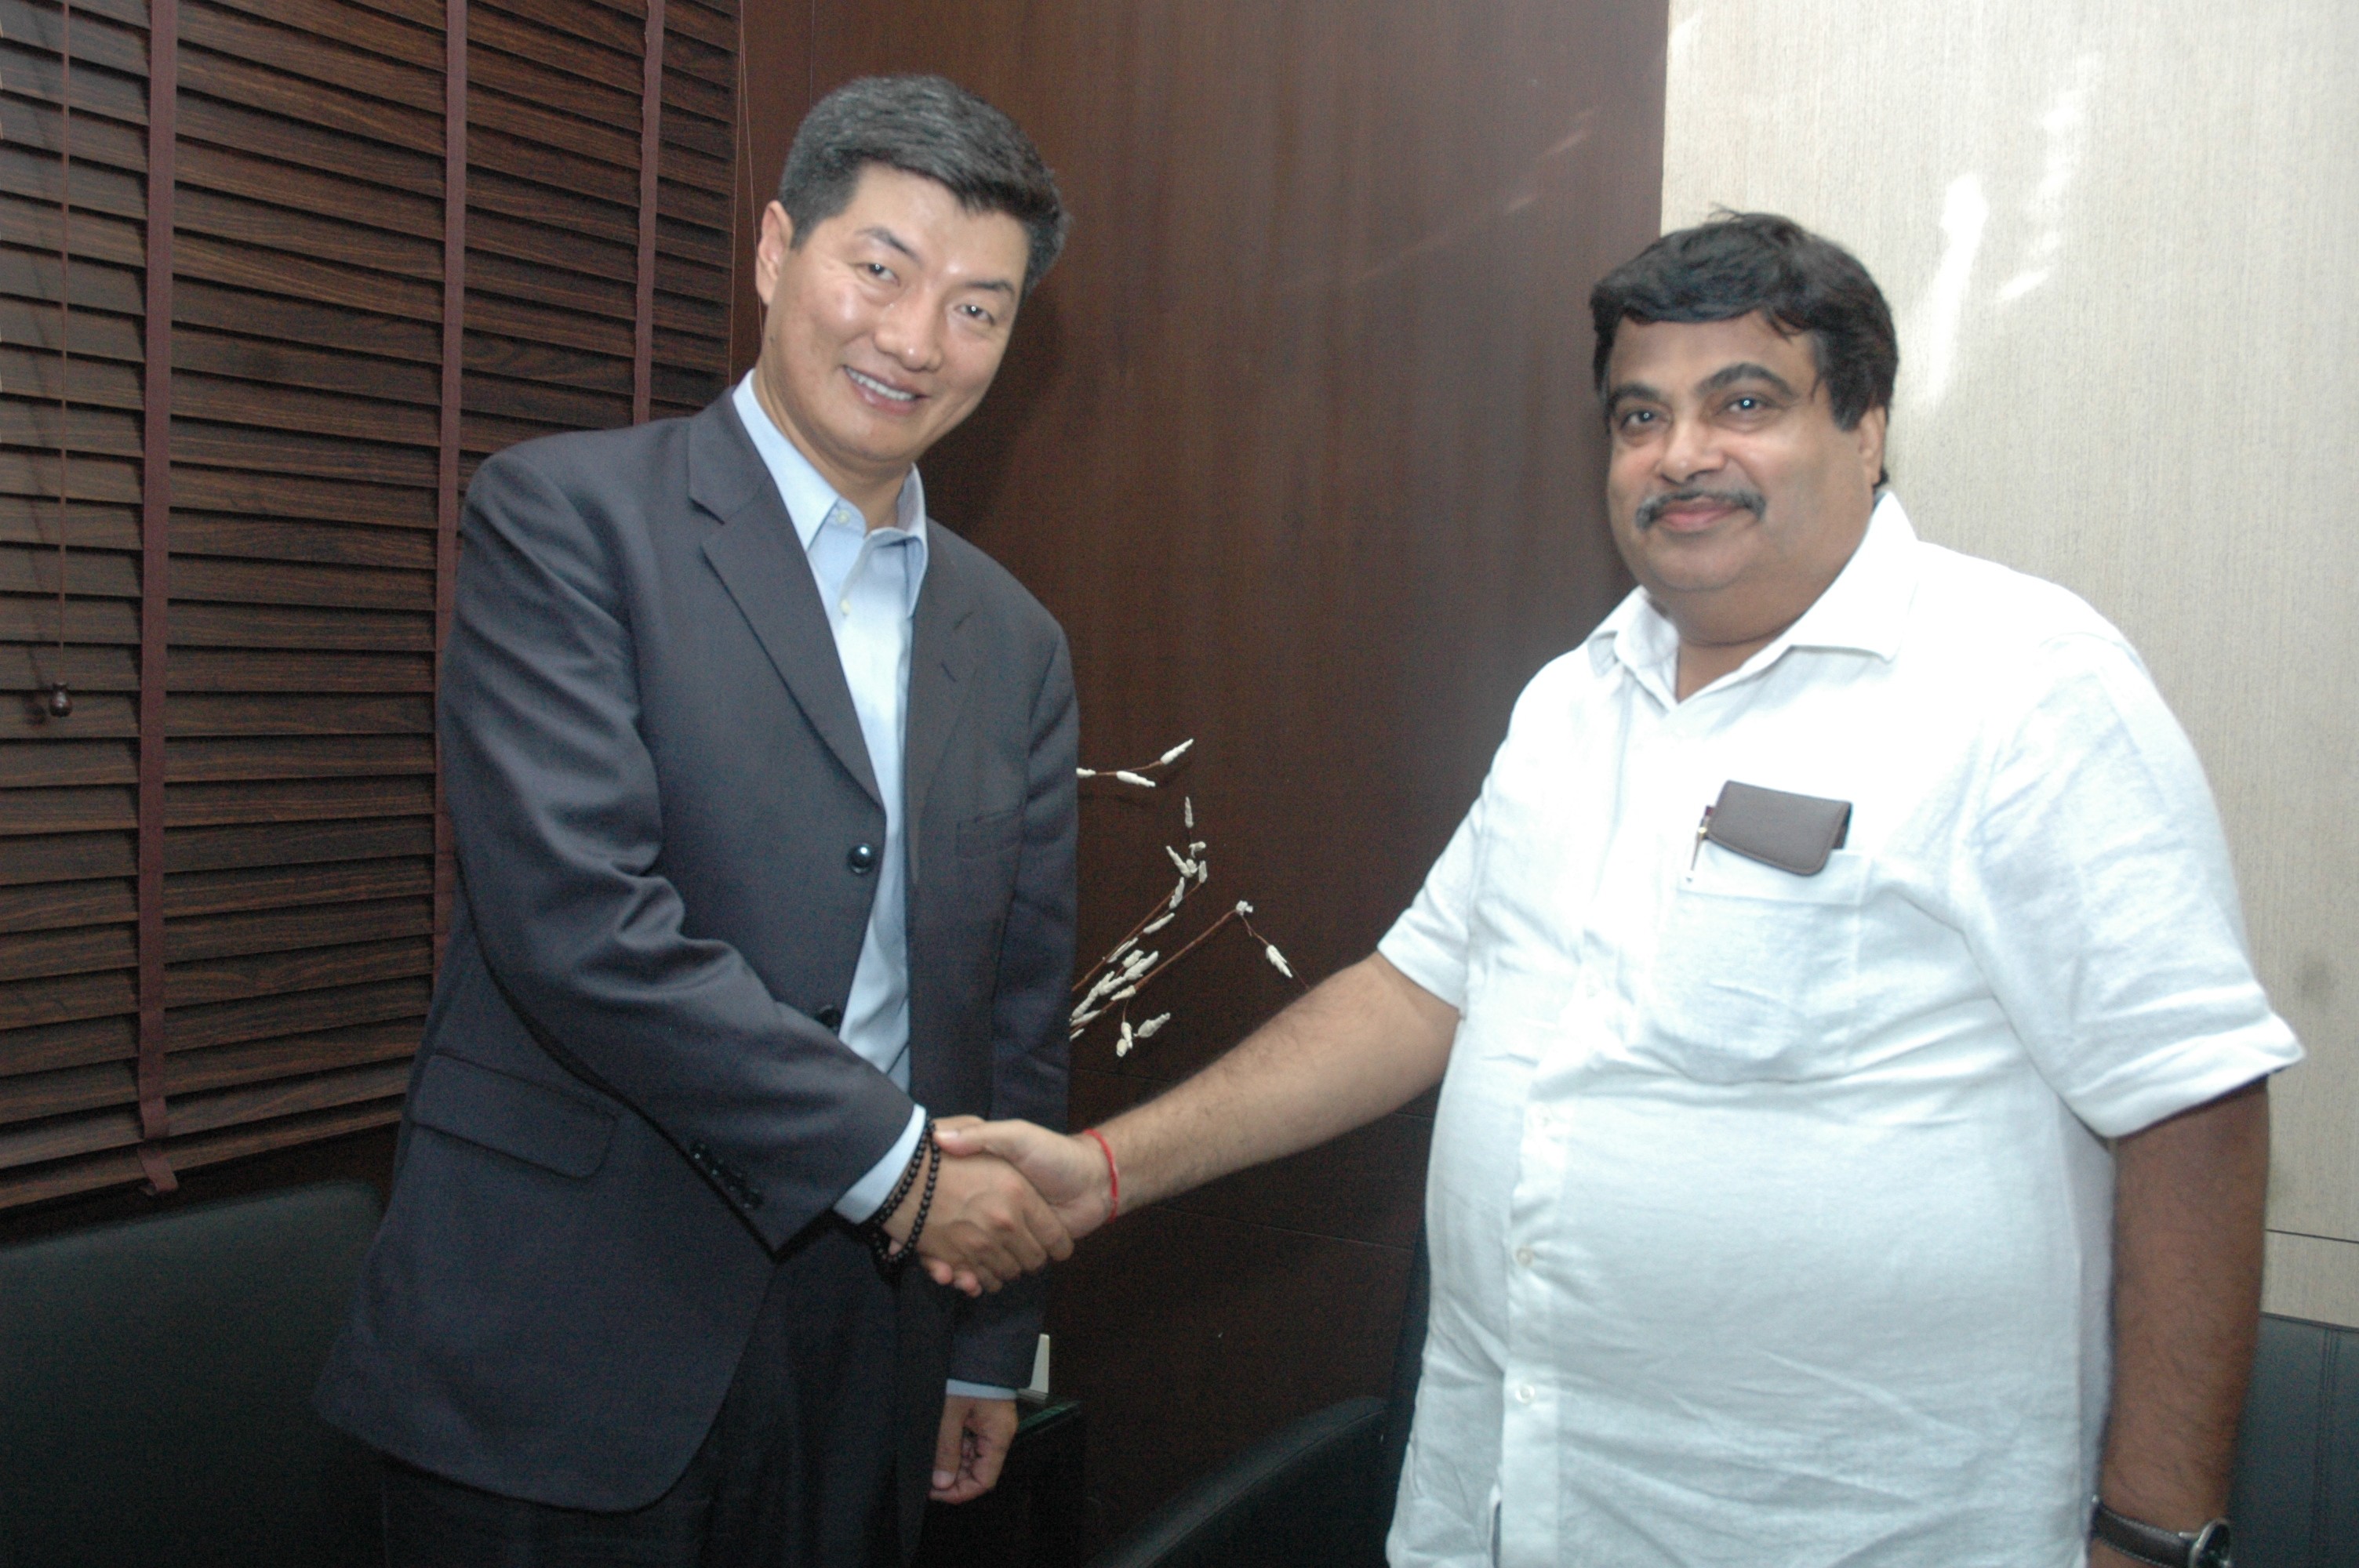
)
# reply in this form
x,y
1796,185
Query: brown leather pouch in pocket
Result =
x,y
1792,832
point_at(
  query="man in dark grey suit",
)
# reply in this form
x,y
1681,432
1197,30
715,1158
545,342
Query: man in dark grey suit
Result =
x,y
762,787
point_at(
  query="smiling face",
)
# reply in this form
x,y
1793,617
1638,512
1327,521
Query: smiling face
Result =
x,y
1733,495
884,328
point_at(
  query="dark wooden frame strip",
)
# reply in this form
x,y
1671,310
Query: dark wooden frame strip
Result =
x,y
455,323
155,583
643,336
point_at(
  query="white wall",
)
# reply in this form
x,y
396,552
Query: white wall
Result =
x,y
2122,239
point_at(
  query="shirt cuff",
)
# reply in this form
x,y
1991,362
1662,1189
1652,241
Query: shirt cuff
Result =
x,y
977,1390
866,1195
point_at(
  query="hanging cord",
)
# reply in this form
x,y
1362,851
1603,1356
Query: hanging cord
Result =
x,y
59,702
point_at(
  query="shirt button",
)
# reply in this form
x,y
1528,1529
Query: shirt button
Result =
x,y
1524,1256
1526,1393
829,1016
862,860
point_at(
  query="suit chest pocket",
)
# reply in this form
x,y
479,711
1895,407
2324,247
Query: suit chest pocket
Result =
x,y
1756,975
994,833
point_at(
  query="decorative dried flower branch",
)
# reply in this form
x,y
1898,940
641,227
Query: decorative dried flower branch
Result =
x,y
1111,983
1137,775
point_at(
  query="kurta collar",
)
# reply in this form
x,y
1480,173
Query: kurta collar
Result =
x,y
1864,610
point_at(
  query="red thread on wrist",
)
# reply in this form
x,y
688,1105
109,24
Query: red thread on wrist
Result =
x,y
1114,1171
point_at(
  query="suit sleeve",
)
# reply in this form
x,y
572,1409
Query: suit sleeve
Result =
x,y
553,797
994,1340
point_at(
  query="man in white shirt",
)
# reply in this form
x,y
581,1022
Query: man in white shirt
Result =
x,y
1853,1128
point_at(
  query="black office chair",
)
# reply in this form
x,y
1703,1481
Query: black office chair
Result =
x,y
155,1390
1319,1494
2296,1502
1316,1494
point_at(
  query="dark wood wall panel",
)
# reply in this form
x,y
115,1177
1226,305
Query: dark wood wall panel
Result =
x,y
297,837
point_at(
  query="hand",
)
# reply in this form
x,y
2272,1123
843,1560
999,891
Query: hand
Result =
x,y
1069,1172
971,1446
986,1228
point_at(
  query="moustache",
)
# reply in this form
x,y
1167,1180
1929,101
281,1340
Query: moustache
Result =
x,y
1651,510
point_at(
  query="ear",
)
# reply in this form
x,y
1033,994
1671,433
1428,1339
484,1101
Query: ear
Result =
x,y
770,250
1869,433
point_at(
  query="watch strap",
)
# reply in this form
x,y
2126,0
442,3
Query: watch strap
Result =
x,y
2147,1542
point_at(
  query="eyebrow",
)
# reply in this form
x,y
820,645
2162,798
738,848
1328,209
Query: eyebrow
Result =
x,y
1743,371
887,238
1617,396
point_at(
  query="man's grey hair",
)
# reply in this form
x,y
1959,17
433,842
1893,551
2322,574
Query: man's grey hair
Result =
x,y
925,125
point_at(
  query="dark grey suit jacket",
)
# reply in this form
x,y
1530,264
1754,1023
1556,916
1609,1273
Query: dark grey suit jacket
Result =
x,y
624,1104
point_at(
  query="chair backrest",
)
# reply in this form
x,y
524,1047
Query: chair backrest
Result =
x,y
2297,1488
154,1388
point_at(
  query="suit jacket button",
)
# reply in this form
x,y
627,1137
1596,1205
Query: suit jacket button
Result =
x,y
862,859
829,1017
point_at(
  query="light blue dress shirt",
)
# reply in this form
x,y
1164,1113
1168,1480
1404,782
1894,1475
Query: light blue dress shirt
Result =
x,y
868,580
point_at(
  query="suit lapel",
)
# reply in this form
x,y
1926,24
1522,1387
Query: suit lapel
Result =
x,y
761,562
941,658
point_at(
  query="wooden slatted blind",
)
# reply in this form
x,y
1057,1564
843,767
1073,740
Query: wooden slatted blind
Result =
x,y
313,448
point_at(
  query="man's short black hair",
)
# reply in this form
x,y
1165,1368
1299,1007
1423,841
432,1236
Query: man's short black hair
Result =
x,y
1740,263
927,125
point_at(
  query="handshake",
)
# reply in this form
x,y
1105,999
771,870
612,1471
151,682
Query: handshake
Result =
x,y
1009,1197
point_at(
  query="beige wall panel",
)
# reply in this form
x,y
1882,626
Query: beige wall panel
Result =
x,y
2310,1276
2120,239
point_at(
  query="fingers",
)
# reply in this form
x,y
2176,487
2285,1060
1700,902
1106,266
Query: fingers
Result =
x,y
987,1220
970,1446
1069,1172
950,1441
1011,1140
990,1430
941,1273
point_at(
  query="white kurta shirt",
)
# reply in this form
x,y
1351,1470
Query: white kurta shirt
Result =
x,y
1770,1215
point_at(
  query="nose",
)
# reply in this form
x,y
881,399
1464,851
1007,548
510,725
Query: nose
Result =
x,y
909,331
1691,451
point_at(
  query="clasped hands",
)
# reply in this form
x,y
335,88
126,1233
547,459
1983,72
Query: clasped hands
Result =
x,y
1010,1198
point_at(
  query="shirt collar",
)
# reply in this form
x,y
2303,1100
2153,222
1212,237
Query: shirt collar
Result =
x,y
1864,610
810,498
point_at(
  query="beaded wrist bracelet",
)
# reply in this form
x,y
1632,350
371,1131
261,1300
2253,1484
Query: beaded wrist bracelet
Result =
x,y
922,1158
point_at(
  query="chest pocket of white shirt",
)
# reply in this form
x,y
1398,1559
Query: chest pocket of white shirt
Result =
x,y
1756,974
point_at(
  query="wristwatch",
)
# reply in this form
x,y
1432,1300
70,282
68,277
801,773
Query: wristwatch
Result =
x,y
2207,1547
